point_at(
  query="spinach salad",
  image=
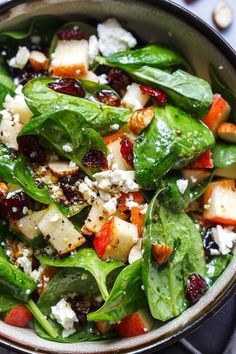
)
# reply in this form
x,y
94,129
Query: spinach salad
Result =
x,y
117,181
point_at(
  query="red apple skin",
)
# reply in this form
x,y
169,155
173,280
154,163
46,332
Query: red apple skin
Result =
x,y
131,326
203,161
219,112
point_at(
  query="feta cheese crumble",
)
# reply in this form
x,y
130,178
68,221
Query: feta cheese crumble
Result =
x,y
110,206
117,180
93,49
112,38
67,148
21,58
224,238
182,185
65,316
103,79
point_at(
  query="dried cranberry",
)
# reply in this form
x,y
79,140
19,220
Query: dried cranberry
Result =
x,y
69,34
126,150
208,243
108,97
13,205
82,305
196,287
159,95
70,87
29,146
69,188
118,80
95,159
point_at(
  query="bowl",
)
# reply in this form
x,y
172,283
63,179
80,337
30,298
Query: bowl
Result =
x,y
165,22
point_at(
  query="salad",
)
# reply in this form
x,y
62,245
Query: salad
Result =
x,y
117,180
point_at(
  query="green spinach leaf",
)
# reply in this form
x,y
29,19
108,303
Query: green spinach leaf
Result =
x,y
219,86
87,259
7,302
67,281
199,189
186,91
39,24
7,164
41,99
171,197
154,55
216,267
160,148
125,298
165,285
67,133
224,155
16,282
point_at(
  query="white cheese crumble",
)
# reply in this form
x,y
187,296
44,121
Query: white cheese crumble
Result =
x,y
93,49
9,129
110,206
122,181
88,194
182,185
115,127
21,58
224,238
65,316
37,274
103,79
24,261
67,148
113,38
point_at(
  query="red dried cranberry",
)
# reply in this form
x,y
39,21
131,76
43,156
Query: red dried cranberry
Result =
x,y
118,80
208,243
196,288
95,159
126,150
159,95
108,97
29,146
82,305
70,87
13,205
69,34
69,189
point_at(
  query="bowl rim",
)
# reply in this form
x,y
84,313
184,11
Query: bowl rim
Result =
x,y
229,53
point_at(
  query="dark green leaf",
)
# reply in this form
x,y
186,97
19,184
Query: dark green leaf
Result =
x,y
125,298
216,267
199,189
63,129
41,99
186,91
7,164
171,197
16,282
38,26
219,86
160,149
224,155
25,177
154,55
7,302
165,285
87,259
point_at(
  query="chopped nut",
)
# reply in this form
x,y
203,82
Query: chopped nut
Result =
x,y
161,252
140,119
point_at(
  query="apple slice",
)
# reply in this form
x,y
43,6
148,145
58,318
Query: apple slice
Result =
x,y
59,231
228,172
38,61
227,131
133,325
219,113
70,59
115,239
220,202
96,218
134,98
116,156
194,175
28,225
202,161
